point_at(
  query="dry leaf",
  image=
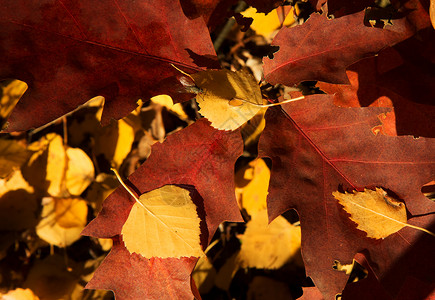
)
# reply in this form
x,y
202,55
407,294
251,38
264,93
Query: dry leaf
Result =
x,y
228,98
374,212
100,189
171,230
63,219
432,12
267,24
18,203
268,246
167,102
51,279
204,275
114,142
80,172
12,155
252,183
10,95
19,294
56,165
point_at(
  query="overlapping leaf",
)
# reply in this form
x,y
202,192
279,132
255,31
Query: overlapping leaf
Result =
x,y
317,148
199,156
321,49
70,51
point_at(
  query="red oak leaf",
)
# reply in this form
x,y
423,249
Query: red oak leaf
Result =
x,y
317,148
200,156
380,81
321,49
72,50
131,276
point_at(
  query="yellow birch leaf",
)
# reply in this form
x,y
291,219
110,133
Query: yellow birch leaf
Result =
x,y
374,212
268,246
12,155
167,102
18,203
114,142
56,165
63,220
10,94
172,229
204,275
266,25
252,183
19,294
228,99
432,12
80,172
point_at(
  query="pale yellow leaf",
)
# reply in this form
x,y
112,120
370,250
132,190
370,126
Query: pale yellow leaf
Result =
x,y
229,99
268,246
56,165
432,12
12,155
374,212
18,203
204,275
63,220
19,294
114,142
80,172
266,25
10,94
252,183
171,229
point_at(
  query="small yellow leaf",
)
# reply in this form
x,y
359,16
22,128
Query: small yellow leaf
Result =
x,y
12,155
10,94
252,183
63,220
171,229
56,165
221,90
374,212
19,294
268,246
80,172
204,275
266,25
432,12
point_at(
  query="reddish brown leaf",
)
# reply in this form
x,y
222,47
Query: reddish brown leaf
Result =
x,y
317,148
70,51
380,81
130,276
200,156
321,49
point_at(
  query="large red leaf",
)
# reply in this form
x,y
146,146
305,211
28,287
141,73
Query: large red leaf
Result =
x,y
321,49
130,276
380,81
198,156
317,148
72,50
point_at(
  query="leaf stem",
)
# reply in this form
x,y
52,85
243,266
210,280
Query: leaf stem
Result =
x,y
271,104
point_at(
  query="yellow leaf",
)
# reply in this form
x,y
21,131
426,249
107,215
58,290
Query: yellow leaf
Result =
x,y
266,25
375,213
252,183
63,220
229,99
19,294
10,94
18,203
114,142
167,102
12,155
166,225
432,12
268,246
204,275
80,172
100,189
